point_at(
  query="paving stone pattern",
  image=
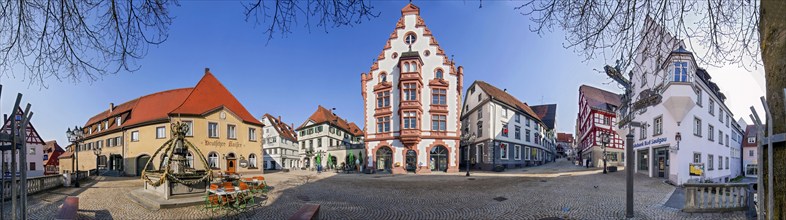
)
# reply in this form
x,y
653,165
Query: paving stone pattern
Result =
x,y
559,190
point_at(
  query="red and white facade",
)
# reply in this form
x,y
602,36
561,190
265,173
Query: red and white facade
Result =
x,y
597,116
411,100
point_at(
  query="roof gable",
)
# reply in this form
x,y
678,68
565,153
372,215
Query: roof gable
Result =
x,y
506,98
546,113
209,94
31,134
323,115
601,99
284,131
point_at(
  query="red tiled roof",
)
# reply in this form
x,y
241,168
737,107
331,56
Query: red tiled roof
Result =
x,y
750,131
208,95
564,137
599,98
506,98
66,154
283,129
52,145
322,115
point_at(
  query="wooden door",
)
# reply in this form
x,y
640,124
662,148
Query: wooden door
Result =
x,y
231,165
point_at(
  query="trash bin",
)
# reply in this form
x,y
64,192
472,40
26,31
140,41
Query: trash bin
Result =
x,y
67,179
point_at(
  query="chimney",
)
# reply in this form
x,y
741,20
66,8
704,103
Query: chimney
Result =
x,y
207,70
111,107
279,119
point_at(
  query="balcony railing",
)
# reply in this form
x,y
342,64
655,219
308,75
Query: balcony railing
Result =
x,y
717,197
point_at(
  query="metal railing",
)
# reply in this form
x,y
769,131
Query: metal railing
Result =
x,y
717,197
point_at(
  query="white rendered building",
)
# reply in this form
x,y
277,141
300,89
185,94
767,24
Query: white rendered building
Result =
x,y
281,146
411,99
35,151
509,133
692,108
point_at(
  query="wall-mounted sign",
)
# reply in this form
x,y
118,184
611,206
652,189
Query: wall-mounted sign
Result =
x,y
696,169
217,143
650,142
243,163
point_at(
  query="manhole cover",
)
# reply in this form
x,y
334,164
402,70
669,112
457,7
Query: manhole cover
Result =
x,y
543,181
500,199
471,178
304,198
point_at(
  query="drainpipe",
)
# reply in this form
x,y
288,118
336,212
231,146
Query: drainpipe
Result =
x,y
492,134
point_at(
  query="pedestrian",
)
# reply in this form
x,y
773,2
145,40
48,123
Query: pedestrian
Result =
x,y
357,163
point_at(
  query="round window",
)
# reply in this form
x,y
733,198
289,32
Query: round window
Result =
x,y
410,38
427,52
395,55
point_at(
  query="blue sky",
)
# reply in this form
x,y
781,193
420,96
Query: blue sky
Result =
x,y
290,76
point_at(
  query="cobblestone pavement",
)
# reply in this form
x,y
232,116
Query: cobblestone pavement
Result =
x,y
553,190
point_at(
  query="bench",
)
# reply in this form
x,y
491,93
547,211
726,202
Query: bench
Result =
x,y
69,208
307,212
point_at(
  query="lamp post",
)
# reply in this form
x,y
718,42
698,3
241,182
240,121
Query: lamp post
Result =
x,y
75,136
97,152
604,139
468,139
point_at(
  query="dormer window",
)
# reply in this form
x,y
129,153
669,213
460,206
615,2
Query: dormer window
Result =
x,y
118,120
438,75
680,72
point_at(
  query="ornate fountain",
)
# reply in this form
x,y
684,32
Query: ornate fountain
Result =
x,y
174,178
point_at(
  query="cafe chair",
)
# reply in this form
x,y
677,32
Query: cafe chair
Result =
x,y
245,196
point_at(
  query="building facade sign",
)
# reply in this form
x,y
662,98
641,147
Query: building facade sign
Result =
x,y
649,142
217,143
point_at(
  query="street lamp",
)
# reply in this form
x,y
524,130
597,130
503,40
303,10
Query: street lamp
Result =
x,y
604,139
468,139
97,152
75,136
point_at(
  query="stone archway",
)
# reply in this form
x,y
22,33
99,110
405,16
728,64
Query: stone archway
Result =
x,y
438,158
141,160
384,159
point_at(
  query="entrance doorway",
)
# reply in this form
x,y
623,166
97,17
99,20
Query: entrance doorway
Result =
x,y
412,161
384,159
232,163
662,162
141,161
115,162
439,159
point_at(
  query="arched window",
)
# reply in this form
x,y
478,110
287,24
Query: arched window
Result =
x,y
414,67
252,161
383,77
406,67
190,160
212,160
438,75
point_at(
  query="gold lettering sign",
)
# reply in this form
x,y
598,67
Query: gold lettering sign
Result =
x,y
217,143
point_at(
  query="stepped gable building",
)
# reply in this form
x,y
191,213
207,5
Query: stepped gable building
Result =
x,y
129,133
412,96
330,137
281,145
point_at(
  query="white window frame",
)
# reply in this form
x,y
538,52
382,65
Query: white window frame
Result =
x,y
160,132
507,148
212,160
134,136
252,134
517,152
231,131
527,153
657,129
214,133
697,126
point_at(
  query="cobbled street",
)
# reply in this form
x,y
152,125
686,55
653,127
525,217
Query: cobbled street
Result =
x,y
557,190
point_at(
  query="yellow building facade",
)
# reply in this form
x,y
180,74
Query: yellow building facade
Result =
x,y
128,135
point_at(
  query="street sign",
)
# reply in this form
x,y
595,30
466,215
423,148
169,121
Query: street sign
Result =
x,y
614,73
647,102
